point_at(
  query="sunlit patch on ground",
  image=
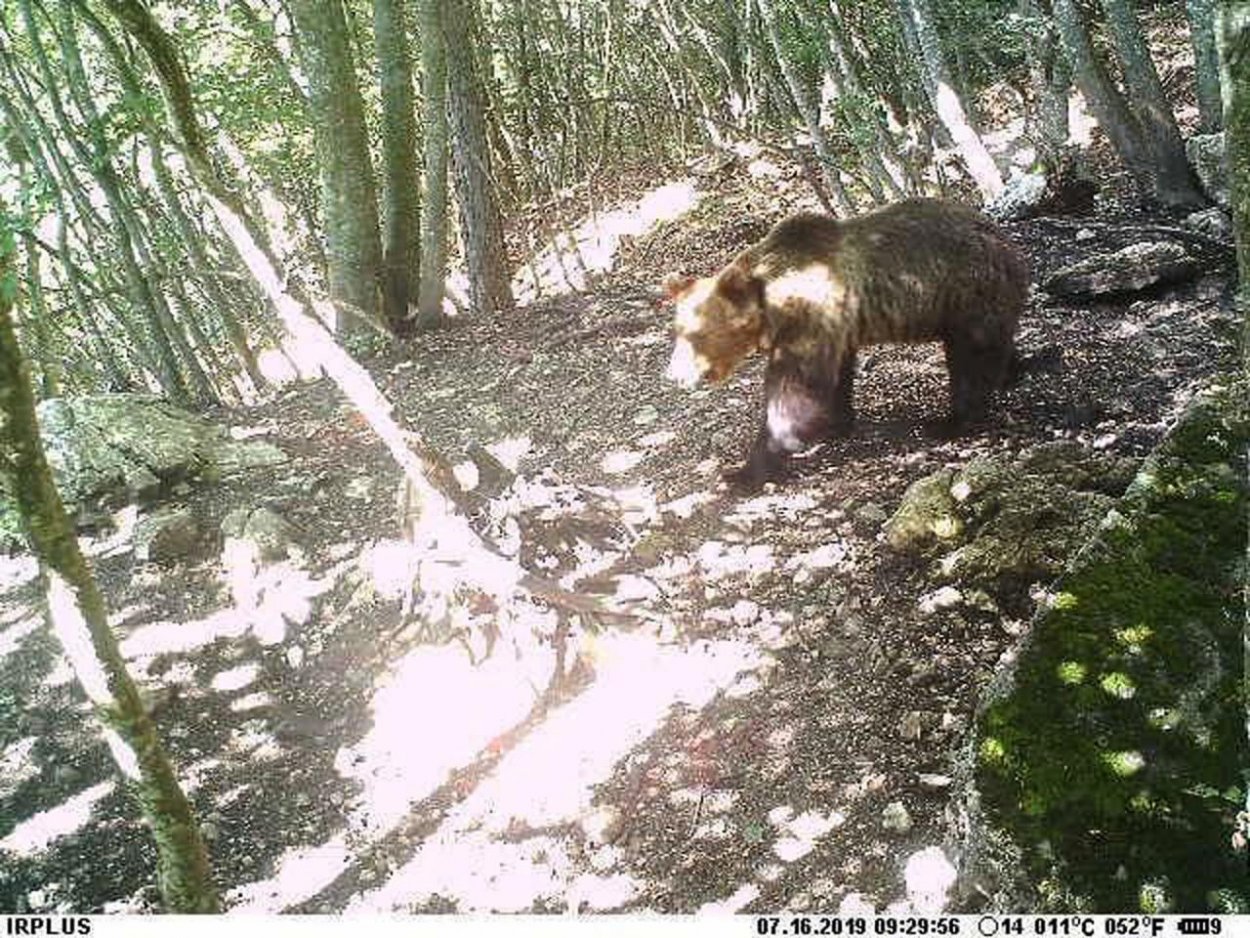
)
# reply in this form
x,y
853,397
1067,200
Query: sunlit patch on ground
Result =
x,y
301,873
591,248
13,635
492,851
17,571
38,832
17,765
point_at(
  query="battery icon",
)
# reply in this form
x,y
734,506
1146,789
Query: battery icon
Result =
x,y
1195,926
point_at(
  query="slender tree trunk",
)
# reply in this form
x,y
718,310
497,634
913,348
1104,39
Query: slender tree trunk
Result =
x,y
1201,15
1232,31
1167,183
918,20
77,614
1233,34
128,218
98,159
434,207
1149,102
808,109
490,286
349,202
1050,76
401,180
193,242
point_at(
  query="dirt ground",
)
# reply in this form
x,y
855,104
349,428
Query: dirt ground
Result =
x,y
779,736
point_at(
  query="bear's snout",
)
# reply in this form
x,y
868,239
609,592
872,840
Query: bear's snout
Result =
x,y
684,366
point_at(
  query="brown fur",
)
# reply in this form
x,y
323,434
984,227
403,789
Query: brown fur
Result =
x,y
815,290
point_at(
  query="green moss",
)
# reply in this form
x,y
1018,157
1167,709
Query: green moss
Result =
x,y
1107,772
1071,672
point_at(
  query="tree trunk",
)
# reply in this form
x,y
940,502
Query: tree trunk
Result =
x,y
77,614
354,251
1232,29
1050,77
434,207
481,226
401,181
808,110
1149,102
1167,184
97,158
1201,14
918,19
1233,33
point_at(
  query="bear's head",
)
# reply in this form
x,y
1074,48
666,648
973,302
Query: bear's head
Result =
x,y
719,321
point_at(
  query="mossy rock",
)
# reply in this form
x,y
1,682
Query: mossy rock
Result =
x,y
1111,759
1005,521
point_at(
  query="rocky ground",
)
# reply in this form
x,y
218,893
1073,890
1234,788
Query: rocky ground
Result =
x,y
778,733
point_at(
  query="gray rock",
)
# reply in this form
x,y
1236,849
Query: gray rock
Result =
x,y
272,535
1212,222
1134,268
1206,154
168,535
113,449
1020,197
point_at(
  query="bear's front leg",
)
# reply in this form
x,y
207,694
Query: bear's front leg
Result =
x,y
796,415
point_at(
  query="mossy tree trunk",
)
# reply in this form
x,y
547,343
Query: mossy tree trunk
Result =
x,y
77,614
401,180
1201,15
1233,41
434,206
919,21
481,225
349,201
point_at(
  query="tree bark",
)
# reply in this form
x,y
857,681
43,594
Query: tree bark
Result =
x,y
349,202
1050,77
1166,183
401,180
1150,104
1201,14
1232,30
808,110
481,225
1233,35
434,206
77,614
918,19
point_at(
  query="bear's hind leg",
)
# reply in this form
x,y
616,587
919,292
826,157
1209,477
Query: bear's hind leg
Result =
x,y
843,395
977,369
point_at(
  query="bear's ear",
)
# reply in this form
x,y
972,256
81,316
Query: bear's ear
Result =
x,y
737,285
674,285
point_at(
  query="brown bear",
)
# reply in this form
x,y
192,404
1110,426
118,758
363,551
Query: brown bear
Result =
x,y
816,289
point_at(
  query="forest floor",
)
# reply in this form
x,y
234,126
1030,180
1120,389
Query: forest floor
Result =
x,y
785,740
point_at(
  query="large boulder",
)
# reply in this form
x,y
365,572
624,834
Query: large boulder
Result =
x,y
1128,270
110,449
1107,770
1207,156
1005,521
